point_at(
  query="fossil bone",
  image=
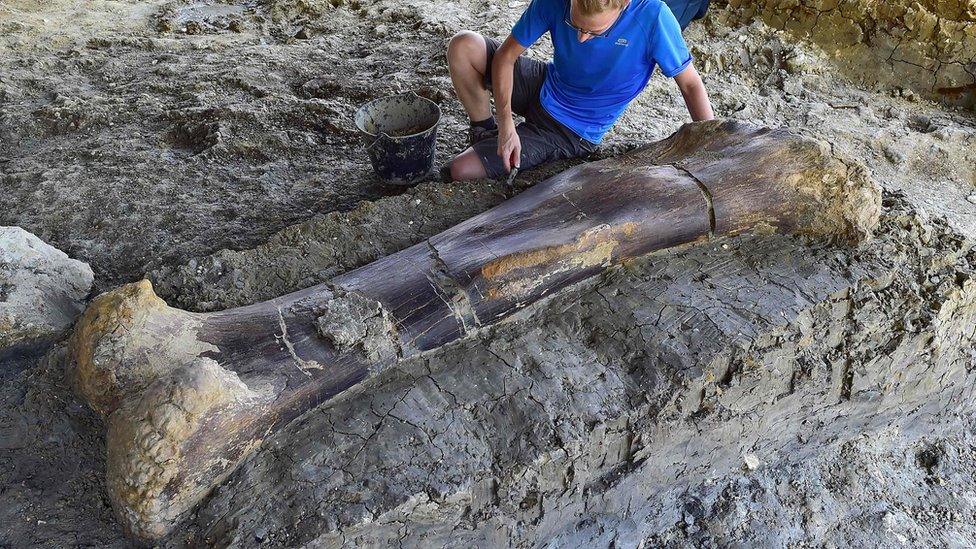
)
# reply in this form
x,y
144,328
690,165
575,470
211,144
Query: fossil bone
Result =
x,y
187,396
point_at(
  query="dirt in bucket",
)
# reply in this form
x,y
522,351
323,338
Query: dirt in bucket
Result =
x,y
409,130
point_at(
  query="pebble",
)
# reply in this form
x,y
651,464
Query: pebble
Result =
x,y
972,198
751,461
894,156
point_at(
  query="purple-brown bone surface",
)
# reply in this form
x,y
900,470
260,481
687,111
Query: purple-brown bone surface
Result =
x,y
186,396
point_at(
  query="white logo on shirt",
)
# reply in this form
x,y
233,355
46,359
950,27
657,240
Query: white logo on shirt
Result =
x,y
621,42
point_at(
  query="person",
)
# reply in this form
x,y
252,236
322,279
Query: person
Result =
x,y
604,54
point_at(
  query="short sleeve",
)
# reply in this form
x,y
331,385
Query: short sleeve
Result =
x,y
536,20
668,48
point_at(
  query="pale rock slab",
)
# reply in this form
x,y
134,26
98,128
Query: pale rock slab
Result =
x,y
42,290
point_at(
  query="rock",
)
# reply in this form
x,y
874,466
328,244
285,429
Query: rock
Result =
x,y
917,50
894,156
751,461
972,198
922,124
42,290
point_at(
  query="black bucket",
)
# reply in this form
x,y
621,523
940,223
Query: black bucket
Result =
x,y
401,135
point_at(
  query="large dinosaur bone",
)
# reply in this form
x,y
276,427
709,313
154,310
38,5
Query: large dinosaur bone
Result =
x,y
187,396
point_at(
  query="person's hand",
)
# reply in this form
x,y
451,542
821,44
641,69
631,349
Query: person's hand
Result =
x,y
509,146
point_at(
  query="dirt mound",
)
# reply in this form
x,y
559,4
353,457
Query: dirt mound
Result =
x,y
928,47
580,419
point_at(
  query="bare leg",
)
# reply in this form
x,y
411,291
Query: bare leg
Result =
x,y
466,166
467,61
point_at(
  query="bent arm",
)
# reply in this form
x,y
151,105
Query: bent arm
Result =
x,y
693,90
502,78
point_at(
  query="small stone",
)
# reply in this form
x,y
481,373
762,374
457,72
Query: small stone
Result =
x,y
894,156
751,461
381,30
795,63
972,198
921,124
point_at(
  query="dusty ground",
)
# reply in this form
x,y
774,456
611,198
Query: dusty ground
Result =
x,y
178,139
588,421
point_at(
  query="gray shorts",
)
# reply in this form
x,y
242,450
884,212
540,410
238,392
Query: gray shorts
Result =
x,y
543,138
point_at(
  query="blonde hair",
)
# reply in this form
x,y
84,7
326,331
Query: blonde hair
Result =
x,y
593,7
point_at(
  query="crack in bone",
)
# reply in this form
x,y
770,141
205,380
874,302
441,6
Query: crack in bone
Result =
x,y
706,194
298,361
453,294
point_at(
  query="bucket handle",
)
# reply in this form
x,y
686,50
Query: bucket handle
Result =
x,y
381,135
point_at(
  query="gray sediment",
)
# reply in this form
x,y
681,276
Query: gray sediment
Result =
x,y
590,412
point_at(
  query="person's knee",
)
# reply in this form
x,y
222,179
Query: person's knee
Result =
x,y
467,166
465,46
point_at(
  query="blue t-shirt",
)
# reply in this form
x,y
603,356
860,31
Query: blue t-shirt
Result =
x,y
588,85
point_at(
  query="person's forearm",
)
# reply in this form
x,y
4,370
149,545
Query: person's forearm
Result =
x,y
693,90
696,99
502,76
